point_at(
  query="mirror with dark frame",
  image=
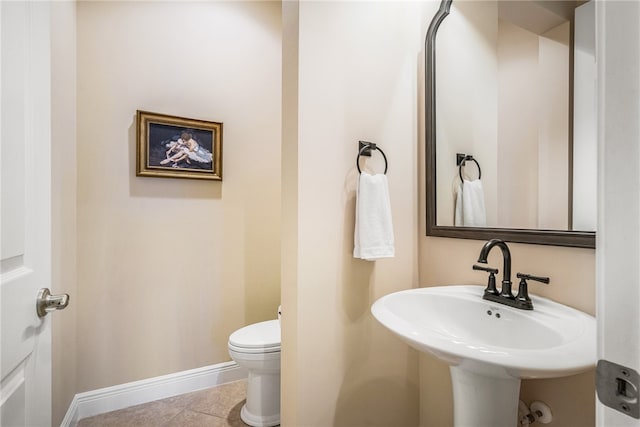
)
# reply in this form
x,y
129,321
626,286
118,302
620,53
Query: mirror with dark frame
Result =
x,y
511,71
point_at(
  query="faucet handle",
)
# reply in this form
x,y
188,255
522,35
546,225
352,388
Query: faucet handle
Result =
x,y
491,283
487,269
523,293
523,276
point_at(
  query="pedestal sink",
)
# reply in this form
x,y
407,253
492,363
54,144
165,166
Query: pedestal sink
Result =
x,y
490,347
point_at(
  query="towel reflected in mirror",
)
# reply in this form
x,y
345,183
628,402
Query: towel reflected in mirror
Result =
x,y
469,209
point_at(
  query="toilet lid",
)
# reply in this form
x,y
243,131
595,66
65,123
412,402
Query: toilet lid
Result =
x,y
263,337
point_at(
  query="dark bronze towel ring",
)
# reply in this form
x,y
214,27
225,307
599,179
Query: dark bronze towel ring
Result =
x,y
365,150
461,159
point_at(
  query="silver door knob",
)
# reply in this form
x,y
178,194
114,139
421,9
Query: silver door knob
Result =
x,y
46,302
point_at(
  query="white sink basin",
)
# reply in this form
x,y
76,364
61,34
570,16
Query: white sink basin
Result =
x,y
480,339
453,323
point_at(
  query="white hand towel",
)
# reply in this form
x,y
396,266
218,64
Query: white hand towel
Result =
x,y
373,235
458,220
470,210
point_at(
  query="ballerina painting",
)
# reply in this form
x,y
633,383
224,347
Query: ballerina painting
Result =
x,y
176,147
186,148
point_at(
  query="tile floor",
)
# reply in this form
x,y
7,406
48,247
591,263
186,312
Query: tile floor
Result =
x,y
216,407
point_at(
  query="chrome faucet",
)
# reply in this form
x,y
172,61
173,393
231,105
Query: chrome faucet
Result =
x,y
505,296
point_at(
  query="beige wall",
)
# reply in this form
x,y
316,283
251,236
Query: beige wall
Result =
x,y
168,268
63,215
289,285
357,78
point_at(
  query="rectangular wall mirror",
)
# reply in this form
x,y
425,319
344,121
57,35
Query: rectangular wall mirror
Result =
x,y
511,84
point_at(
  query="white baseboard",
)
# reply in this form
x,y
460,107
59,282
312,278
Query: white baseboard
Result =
x,y
120,396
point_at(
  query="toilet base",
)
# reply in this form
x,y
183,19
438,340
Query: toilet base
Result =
x,y
262,408
256,421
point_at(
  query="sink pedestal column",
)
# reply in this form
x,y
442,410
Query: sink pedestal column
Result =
x,y
484,401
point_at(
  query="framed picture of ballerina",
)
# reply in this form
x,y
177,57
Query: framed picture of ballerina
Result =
x,y
178,147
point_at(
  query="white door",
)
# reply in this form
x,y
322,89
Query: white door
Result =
x,y
618,236
25,250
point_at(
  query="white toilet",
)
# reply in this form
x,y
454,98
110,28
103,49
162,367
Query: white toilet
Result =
x,y
257,348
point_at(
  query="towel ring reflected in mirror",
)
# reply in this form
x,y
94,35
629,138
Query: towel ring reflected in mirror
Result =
x,y
462,160
366,148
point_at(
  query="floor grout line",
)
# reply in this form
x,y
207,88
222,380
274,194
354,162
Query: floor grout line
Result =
x,y
173,418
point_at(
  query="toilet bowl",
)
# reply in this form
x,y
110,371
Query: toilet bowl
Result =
x,y
257,348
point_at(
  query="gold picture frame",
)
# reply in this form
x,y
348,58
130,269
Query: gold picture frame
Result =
x,y
178,147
